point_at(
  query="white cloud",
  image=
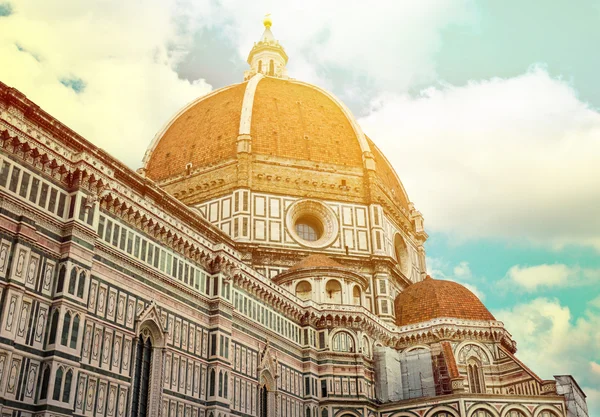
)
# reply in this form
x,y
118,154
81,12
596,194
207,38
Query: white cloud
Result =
x,y
125,53
462,270
551,342
514,158
532,278
460,273
392,44
119,52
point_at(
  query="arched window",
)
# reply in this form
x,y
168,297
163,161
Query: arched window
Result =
x,y
74,332
211,383
260,66
271,68
57,384
482,412
366,347
264,401
220,383
73,281
60,282
81,284
475,376
141,379
356,295
44,384
307,414
66,397
225,386
324,413
304,290
333,292
53,328
64,339
342,342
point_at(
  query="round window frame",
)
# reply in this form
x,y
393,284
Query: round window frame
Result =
x,y
322,213
312,222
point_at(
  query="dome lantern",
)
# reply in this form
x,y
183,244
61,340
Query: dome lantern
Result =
x,y
267,56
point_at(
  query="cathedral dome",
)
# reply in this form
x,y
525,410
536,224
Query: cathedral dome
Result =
x,y
287,119
286,123
432,298
271,134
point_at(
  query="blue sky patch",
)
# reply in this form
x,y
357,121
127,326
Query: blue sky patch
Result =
x,y
74,83
6,9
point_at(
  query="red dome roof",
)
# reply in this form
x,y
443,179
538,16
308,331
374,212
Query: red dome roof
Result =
x,y
303,129
433,298
316,261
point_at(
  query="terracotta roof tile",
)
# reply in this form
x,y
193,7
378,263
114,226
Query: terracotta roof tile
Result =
x,y
450,360
316,261
432,298
204,134
292,120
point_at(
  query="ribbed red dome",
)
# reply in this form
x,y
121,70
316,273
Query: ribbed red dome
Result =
x,y
297,125
434,298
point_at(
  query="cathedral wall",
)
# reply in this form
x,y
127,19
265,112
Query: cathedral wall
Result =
x,y
112,293
75,299
261,219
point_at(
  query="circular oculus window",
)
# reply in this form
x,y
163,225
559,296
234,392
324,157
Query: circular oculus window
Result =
x,y
311,223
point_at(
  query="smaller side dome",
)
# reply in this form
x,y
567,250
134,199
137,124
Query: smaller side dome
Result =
x,y
434,298
316,261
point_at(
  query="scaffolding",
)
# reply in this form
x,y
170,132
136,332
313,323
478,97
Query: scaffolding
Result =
x,y
417,374
574,396
407,375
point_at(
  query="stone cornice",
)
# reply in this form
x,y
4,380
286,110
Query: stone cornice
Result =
x,y
38,139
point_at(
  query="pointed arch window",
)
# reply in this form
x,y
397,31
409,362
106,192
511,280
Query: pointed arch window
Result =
x,y
141,381
475,376
73,281
60,282
74,332
53,328
57,384
81,284
211,383
66,397
264,401
64,339
220,383
43,394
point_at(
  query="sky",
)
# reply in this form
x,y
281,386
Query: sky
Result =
x,y
488,110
